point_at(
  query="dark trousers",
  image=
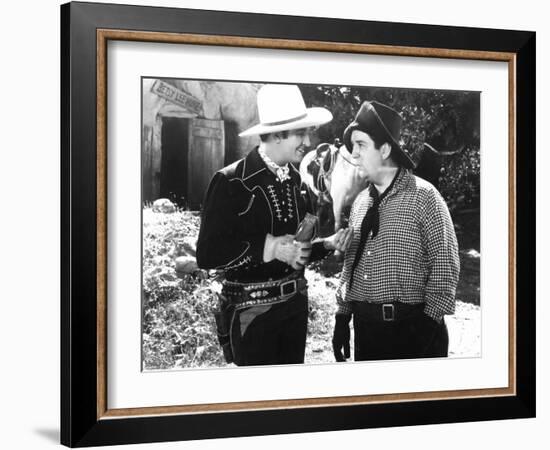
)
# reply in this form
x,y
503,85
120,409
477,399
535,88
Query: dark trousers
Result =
x,y
414,335
273,334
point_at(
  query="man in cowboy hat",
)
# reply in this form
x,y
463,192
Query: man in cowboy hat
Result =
x,y
250,216
401,268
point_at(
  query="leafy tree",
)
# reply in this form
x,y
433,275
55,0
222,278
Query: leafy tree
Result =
x,y
447,120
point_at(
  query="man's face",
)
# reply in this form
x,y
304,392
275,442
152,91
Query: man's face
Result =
x,y
365,154
295,146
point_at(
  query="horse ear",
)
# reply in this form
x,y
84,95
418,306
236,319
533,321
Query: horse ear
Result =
x,y
321,148
327,161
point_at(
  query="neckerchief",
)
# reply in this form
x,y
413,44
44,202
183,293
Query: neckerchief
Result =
x,y
371,222
281,171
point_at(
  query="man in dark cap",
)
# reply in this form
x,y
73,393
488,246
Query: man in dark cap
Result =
x,y
402,266
250,218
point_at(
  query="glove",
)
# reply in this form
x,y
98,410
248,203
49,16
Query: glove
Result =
x,y
341,337
430,322
428,330
286,249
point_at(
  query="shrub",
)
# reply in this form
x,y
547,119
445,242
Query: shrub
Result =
x,y
178,329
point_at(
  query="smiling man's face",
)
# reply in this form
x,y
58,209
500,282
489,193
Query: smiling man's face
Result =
x,y
293,148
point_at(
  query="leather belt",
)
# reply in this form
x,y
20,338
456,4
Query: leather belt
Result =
x,y
387,312
261,293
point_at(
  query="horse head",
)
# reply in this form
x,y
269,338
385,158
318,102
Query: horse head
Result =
x,y
334,180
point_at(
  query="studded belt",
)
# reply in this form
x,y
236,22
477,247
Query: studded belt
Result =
x,y
244,295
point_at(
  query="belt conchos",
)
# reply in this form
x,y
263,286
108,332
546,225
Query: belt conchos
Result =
x,y
244,295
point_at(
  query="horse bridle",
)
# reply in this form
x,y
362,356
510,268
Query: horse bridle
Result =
x,y
323,175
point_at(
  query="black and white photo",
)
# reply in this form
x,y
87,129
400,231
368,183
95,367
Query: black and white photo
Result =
x,y
229,171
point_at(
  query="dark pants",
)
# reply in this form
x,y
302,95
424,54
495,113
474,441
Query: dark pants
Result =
x,y
273,334
415,335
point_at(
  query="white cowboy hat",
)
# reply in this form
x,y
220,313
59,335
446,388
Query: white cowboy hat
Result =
x,y
281,107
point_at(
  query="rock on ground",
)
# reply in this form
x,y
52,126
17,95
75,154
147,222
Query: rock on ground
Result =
x,y
163,205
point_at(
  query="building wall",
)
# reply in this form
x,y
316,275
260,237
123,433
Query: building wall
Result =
x,y
234,103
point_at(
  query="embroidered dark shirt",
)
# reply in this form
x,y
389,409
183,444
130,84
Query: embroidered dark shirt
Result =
x,y
245,201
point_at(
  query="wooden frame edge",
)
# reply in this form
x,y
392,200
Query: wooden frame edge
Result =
x,y
512,199
103,35
101,223
304,403
289,44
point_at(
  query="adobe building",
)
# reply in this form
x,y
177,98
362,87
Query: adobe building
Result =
x,y
189,131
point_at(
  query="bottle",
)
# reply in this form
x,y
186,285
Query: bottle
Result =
x,y
306,228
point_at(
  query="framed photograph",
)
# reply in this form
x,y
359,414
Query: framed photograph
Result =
x,y
197,148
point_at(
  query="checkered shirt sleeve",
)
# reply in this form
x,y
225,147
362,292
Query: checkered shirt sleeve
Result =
x,y
439,241
414,257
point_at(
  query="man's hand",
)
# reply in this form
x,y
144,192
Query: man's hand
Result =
x,y
341,337
286,249
340,240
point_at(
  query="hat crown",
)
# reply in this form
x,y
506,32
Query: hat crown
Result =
x,y
389,119
281,107
279,103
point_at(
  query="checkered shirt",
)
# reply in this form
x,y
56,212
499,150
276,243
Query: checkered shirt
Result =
x,y
414,257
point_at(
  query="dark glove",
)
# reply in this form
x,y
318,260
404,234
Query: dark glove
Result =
x,y
428,324
428,332
341,337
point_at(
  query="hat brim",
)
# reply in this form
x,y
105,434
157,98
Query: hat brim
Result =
x,y
405,159
314,117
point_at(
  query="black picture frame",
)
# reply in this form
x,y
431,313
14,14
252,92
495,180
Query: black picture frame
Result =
x,y
82,422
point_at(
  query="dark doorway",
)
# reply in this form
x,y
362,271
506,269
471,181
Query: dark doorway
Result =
x,y
174,150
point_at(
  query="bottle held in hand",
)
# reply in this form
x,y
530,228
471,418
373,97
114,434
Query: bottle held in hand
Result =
x,y
306,228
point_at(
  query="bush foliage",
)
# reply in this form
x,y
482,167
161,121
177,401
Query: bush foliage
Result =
x,y
177,326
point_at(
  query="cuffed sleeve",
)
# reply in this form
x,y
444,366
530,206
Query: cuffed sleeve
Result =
x,y
343,307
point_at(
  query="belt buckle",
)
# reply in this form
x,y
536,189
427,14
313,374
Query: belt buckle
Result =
x,y
292,284
388,312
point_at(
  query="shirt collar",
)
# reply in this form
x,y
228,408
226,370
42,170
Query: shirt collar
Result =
x,y
400,184
253,164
